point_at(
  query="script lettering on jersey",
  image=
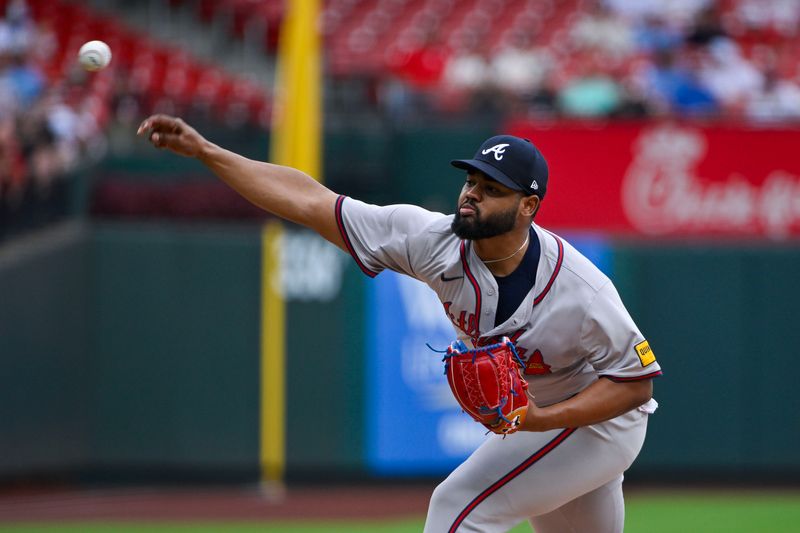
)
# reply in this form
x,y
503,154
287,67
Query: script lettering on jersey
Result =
x,y
466,322
514,338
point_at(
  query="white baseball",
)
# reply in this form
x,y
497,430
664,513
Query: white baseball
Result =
x,y
94,55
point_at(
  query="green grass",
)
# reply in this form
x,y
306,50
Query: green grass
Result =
x,y
661,512
770,512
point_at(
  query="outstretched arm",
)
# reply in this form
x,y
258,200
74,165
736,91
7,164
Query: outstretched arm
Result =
x,y
283,191
602,400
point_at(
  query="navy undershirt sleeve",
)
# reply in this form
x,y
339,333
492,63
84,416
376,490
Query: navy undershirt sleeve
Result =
x,y
513,288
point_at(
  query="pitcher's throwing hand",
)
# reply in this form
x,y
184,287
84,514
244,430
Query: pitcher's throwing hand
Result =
x,y
172,133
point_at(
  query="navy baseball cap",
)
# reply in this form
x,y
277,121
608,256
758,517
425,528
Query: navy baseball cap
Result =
x,y
512,161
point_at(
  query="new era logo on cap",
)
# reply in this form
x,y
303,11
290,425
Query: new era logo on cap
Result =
x,y
512,161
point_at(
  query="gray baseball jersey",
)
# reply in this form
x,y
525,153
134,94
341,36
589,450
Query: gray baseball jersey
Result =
x,y
570,329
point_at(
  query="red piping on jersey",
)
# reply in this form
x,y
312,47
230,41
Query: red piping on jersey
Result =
x,y
477,289
651,375
497,485
346,238
556,270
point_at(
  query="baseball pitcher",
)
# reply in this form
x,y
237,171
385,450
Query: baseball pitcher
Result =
x,y
545,355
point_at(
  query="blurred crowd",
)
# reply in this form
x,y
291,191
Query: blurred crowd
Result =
x,y
47,127
618,58
703,59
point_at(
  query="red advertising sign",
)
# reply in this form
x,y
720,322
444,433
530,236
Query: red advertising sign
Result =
x,y
670,179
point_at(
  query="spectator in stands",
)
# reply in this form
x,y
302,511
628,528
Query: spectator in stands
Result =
x,y
21,77
467,77
654,33
673,88
422,66
12,164
592,92
520,67
706,27
778,99
731,79
674,11
780,17
468,67
415,73
599,29
39,145
9,104
20,82
17,30
543,102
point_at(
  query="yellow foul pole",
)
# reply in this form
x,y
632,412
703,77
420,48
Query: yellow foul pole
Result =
x,y
296,142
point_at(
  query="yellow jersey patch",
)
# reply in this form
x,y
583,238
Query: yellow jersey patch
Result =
x,y
645,353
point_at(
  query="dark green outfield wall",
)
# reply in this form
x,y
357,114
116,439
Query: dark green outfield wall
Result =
x,y
724,323
175,346
135,348
44,353
130,346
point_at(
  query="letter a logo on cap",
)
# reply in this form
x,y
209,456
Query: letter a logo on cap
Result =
x,y
498,149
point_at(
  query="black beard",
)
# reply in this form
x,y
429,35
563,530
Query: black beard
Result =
x,y
473,228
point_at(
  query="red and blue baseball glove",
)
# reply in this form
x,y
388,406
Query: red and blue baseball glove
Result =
x,y
487,382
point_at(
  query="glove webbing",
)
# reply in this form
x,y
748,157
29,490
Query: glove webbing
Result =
x,y
474,390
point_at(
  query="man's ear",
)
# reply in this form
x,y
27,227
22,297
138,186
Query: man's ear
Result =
x,y
529,205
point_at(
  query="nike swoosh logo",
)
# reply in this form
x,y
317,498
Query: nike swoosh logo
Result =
x,y
443,278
